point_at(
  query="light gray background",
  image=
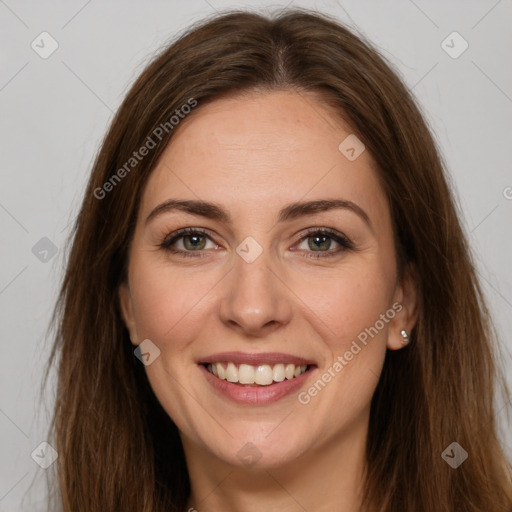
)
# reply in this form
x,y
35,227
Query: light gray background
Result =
x,y
55,112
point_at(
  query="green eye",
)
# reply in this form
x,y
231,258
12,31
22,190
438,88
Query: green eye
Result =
x,y
319,242
194,242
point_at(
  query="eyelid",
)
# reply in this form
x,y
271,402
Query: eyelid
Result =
x,y
181,233
342,240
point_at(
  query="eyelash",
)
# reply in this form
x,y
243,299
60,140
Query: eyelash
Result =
x,y
344,242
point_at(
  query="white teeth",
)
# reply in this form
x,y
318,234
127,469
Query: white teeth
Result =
x,y
221,372
232,373
246,374
299,370
279,373
262,375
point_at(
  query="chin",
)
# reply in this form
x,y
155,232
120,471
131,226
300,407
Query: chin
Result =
x,y
260,450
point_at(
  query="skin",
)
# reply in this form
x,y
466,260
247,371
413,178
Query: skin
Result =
x,y
253,155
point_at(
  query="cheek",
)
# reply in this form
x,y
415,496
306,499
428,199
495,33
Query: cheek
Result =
x,y
349,315
345,303
167,303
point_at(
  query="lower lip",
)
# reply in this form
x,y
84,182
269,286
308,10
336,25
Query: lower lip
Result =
x,y
256,395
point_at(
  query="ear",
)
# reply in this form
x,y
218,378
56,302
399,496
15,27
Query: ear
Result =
x,y
406,301
126,305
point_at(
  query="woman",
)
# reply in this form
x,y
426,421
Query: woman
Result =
x,y
269,302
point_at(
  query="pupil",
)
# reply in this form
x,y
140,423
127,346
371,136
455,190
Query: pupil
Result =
x,y
322,240
193,241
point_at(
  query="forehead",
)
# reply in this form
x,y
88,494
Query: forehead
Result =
x,y
263,149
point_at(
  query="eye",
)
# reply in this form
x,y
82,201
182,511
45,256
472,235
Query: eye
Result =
x,y
319,242
187,241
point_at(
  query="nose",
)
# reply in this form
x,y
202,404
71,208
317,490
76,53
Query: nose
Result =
x,y
255,301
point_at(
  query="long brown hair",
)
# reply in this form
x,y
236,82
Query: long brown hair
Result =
x,y
118,449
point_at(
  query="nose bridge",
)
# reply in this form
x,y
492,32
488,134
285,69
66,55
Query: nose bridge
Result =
x,y
255,300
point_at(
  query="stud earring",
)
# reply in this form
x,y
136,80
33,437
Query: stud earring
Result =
x,y
405,336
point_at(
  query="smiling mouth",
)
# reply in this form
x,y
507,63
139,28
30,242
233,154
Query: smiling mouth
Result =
x,y
256,375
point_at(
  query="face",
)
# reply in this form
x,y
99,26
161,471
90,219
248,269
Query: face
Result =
x,y
272,320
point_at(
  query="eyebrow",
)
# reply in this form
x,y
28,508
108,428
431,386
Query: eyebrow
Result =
x,y
291,211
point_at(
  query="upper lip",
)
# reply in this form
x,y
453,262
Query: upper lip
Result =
x,y
270,358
